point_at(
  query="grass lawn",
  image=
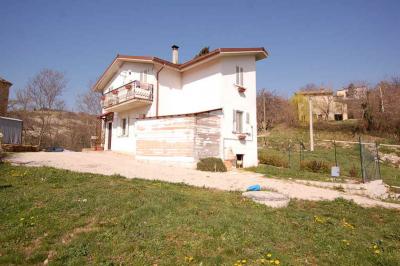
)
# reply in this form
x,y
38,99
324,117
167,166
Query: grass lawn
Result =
x,y
348,156
93,219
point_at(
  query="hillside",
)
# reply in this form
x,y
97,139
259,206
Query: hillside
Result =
x,y
69,130
281,153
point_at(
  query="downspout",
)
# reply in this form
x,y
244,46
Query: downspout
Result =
x,y
158,88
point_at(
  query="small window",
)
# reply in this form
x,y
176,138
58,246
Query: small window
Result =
x,y
124,127
238,121
239,75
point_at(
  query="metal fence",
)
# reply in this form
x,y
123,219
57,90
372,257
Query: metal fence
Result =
x,y
358,160
369,160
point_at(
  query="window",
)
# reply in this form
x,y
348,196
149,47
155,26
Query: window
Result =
x,y
237,121
239,75
124,127
143,76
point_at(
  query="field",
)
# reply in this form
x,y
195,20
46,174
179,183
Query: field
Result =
x,y
348,155
75,218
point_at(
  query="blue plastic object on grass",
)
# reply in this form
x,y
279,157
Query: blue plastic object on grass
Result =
x,y
254,188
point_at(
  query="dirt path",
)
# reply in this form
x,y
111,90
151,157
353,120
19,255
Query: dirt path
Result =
x,y
112,163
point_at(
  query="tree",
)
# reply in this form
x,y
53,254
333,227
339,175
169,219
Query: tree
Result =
x,y
205,50
310,87
325,104
22,100
44,91
272,110
89,102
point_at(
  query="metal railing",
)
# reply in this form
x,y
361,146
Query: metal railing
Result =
x,y
134,90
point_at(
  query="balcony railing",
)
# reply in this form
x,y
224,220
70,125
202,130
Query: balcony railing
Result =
x,y
134,90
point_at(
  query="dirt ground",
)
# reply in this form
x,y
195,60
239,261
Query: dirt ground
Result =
x,y
109,163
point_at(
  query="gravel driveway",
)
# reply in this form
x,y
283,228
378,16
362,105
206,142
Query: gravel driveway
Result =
x,y
109,163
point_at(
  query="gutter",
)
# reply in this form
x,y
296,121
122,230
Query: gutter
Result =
x,y
158,88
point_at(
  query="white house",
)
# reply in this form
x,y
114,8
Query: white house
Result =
x,y
155,109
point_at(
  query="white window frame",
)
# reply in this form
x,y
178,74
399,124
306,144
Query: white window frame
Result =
x,y
239,75
143,76
124,132
238,125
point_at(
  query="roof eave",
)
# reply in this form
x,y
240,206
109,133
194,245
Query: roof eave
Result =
x,y
119,59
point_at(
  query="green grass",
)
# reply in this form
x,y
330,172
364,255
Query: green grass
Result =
x,y
102,220
347,156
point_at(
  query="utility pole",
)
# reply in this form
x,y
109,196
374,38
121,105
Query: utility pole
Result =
x,y
311,125
380,92
264,110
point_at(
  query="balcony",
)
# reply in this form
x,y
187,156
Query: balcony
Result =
x,y
131,95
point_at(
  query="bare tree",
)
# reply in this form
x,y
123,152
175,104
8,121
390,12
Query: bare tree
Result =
x,y
44,91
309,87
89,102
22,100
272,110
325,104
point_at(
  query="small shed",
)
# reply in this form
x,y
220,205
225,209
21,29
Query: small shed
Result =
x,y
11,129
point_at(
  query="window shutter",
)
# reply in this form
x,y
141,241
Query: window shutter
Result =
x,y
241,76
237,75
119,127
248,128
127,126
234,120
141,76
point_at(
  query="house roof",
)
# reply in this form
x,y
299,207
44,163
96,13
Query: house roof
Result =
x,y
259,53
5,81
315,92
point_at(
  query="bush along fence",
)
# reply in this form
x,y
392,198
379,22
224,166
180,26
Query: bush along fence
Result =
x,y
353,159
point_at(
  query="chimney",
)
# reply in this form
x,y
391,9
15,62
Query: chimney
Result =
x,y
175,54
4,93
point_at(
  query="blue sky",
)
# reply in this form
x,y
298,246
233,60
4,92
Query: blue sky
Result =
x,y
324,42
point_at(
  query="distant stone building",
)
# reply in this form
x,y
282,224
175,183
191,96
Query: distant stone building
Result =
x,y
4,93
352,92
353,96
325,105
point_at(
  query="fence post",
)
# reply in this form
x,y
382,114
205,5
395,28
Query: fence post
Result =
x,y
378,160
289,153
334,145
362,160
301,144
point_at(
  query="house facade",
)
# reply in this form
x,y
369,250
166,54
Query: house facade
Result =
x,y
162,110
325,106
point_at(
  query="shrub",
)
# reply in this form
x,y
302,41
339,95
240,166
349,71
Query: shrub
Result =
x,y
2,156
353,171
272,160
315,166
211,164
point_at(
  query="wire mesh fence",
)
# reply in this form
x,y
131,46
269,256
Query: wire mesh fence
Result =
x,y
345,159
369,160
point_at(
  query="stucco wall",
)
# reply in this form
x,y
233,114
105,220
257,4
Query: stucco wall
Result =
x,y
245,102
194,90
130,71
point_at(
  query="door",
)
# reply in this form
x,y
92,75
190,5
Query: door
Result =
x,y
109,136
